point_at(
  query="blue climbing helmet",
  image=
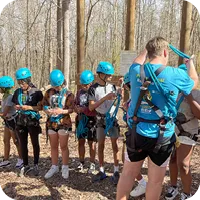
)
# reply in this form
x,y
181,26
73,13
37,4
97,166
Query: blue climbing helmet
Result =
x,y
23,73
86,77
6,82
105,68
126,78
56,78
183,67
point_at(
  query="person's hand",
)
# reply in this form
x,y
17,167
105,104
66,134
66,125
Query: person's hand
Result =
x,y
125,106
119,91
110,96
18,107
26,107
57,111
189,61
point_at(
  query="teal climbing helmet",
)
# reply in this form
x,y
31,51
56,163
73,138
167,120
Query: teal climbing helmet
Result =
x,y
126,78
56,78
6,82
105,68
23,73
86,77
183,67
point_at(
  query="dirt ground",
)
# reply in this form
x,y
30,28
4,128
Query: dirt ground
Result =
x,y
79,185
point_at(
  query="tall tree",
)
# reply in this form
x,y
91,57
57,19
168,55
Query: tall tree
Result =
x,y
185,29
59,36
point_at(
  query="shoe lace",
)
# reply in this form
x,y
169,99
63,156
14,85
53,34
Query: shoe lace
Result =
x,y
170,190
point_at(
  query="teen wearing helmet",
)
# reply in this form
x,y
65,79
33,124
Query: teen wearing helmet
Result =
x,y
58,104
85,121
9,114
101,98
27,99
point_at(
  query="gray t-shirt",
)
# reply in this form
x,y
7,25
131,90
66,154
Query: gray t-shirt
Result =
x,y
192,125
97,92
8,102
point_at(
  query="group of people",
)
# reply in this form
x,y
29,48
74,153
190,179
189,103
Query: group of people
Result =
x,y
161,116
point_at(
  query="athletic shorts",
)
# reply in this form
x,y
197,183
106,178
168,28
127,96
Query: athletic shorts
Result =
x,y
160,158
100,127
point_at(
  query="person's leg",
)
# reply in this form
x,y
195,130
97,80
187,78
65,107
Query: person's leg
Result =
x,y
155,179
92,147
115,153
63,140
34,135
184,154
6,140
127,178
173,169
53,138
23,137
81,149
16,142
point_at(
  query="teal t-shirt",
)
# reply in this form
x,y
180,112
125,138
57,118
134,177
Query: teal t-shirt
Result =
x,y
174,81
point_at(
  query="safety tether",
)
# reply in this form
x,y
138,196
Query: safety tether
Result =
x,y
81,129
178,52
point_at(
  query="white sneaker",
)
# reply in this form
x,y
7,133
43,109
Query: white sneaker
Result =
x,y
53,170
185,196
4,163
65,172
138,191
172,192
92,168
19,163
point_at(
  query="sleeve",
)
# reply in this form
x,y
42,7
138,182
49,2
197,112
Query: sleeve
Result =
x,y
91,94
9,102
15,97
183,81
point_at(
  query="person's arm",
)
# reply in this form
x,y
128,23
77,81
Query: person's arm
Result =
x,y
141,58
5,111
192,72
195,107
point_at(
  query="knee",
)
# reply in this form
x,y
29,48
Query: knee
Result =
x,y
184,167
81,143
16,142
64,148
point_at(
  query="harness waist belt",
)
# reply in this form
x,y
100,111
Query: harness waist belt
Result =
x,y
11,117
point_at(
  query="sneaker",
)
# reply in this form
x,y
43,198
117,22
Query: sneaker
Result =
x,y
36,170
19,163
65,172
24,170
80,166
185,196
4,163
115,178
172,192
99,176
138,191
91,170
53,170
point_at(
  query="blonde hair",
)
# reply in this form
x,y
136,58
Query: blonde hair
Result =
x,y
156,46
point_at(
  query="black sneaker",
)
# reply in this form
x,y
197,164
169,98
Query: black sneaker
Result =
x,y
24,170
36,170
99,176
115,178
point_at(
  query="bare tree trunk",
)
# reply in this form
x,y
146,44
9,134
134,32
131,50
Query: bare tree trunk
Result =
x,y
59,35
185,29
50,41
66,47
27,35
80,35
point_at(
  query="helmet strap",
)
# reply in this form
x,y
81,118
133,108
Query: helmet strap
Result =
x,y
103,79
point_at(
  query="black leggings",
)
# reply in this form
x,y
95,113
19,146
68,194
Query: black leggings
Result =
x,y
23,137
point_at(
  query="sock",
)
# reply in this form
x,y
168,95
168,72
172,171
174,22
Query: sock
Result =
x,y
142,182
65,166
102,169
116,168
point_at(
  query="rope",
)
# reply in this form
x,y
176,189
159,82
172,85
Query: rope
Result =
x,y
178,52
81,129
